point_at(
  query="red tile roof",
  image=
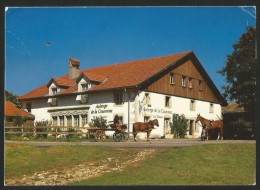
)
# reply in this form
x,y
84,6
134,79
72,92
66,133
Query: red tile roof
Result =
x,y
12,110
133,73
36,93
123,75
233,107
64,81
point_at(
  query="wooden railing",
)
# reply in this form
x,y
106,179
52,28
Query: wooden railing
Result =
x,y
49,130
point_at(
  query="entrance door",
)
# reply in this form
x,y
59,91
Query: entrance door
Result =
x,y
191,127
167,128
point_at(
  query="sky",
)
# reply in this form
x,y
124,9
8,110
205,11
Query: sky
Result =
x,y
40,41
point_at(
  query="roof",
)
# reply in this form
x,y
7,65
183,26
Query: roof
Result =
x,y
130,74
12,110
123,75
233,107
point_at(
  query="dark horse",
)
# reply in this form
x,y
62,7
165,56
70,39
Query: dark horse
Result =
x,y
144,127
217,124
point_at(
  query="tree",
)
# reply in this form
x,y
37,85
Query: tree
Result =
x,y
11,97
240,72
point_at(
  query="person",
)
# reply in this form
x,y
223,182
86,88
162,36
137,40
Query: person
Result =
x,y
116,122
203,133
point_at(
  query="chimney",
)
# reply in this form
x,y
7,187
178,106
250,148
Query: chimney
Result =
x,y
73,68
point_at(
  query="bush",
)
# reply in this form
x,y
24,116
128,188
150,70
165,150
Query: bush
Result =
x,y
99,122
42,124
179,125
18,120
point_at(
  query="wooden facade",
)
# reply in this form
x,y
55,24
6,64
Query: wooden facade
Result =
x,y
185,81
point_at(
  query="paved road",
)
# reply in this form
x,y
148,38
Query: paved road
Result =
x,y
153,143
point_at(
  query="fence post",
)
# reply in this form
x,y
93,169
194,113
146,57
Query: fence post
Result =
x,y
35,134
22,131
55,133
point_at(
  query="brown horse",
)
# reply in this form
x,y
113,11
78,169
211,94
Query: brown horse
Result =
x,y
144,127
218,124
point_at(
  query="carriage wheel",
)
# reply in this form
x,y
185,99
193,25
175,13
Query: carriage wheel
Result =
x,y
117,136
91,137
125,136
99,135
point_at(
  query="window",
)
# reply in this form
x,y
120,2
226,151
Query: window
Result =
x,y
211,108
29,107
146,119
54,121
167,101
192,105
200,84
69,120
54,91
54,102
84,119
118,98
190,82
183,81
171,78
120,118
84,87
76,120
147,100
84,98
61,120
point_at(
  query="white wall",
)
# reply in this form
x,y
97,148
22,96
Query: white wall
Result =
x,y
102,104
39,109
178,105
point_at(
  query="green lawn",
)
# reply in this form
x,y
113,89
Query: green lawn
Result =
x,y
212,164
228,164
26,159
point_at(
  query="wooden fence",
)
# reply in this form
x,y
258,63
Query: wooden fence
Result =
x,y
46,130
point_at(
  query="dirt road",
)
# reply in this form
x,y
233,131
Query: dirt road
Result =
x,y
153,143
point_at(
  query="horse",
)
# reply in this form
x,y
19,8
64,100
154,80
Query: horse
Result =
x,y
217,124
144,127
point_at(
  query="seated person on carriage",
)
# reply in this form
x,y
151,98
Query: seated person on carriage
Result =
x,y
117,123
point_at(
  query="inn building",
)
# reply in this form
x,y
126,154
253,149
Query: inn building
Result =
x,y
140,90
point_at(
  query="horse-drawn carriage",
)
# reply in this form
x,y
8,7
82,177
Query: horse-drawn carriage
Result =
x,y
120,134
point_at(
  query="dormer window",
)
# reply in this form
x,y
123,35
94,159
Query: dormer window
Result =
x,y
84,87
54,91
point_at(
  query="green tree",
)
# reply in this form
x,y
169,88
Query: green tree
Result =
x,y
240,72
179,125
11,97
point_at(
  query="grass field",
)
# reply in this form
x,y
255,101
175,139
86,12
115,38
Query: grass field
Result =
x,y
26,159
215,164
